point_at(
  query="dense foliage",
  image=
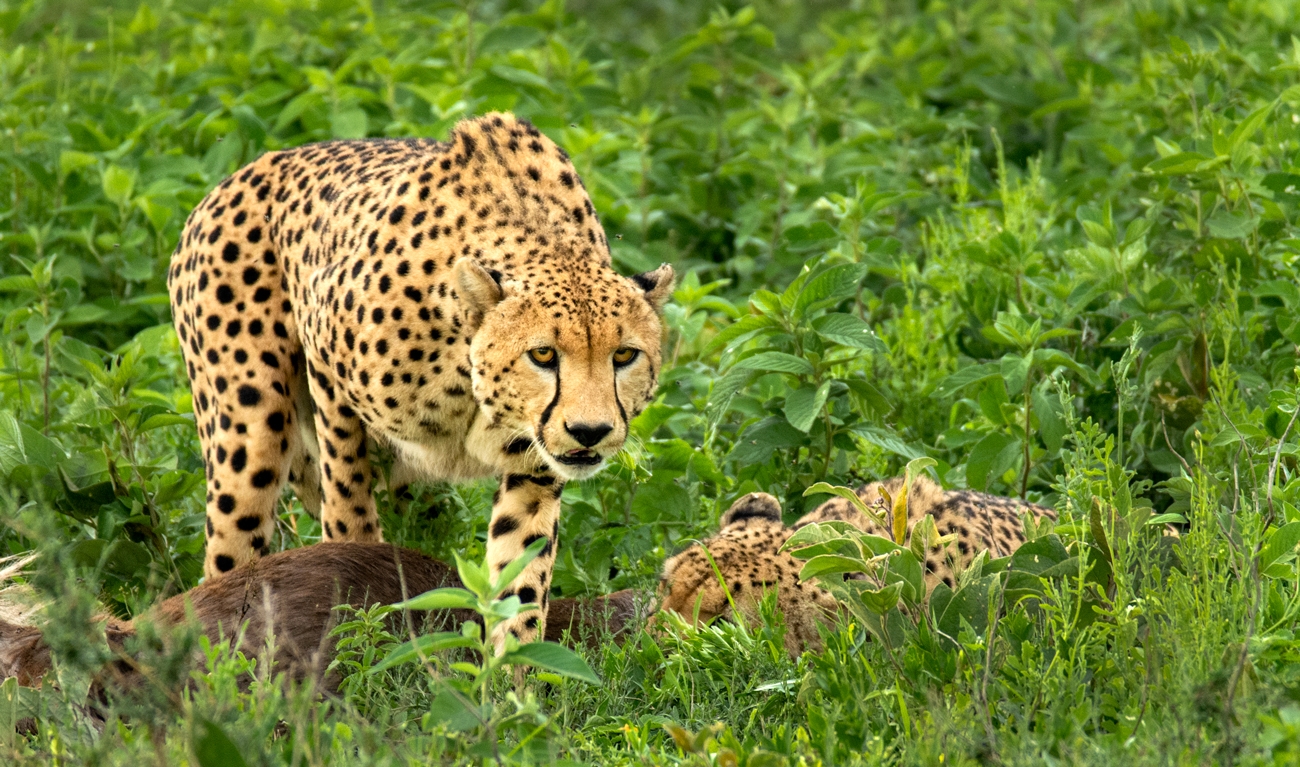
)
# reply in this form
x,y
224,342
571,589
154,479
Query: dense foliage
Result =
x,y
1049,245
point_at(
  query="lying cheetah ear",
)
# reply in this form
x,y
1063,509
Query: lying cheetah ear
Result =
x,y
657,284
480,289
752,506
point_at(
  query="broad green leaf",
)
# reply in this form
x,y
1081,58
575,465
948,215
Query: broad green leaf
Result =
x,y
886,440
776,362
1050,359
990,457
1247,127
867,394
724,390
739,330
18,282
1281,546
831,564
804,405
455,712
423,646
1051,426
213,747
553,657
517,565
441,599
836,283
474,576
818,533
849,495
966,376
118,183
760,440
881,601
1040,555
159,420
71,160
848,330
1231,226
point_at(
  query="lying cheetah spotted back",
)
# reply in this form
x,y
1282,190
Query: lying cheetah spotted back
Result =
x,y
454,301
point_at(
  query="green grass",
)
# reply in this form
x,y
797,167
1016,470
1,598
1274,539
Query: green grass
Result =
x,y
1072,227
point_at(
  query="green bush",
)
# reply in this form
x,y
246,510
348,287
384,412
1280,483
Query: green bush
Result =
x,y
1050,246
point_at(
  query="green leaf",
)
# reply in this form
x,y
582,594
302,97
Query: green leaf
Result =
x,y
1051,425
803,405
724,390
848,330
349,122
849,495
969,603
990,457
1039,555
118,183
553,657
818,234
509,38
213,747
520,77
423,646
1247,127
881,601
454,712
775,362
517,565
1231,226
887,440
159,420
739,330
71,160
441,599
1281,546
868,395
965,377
17,283
831,564
834,284
760,440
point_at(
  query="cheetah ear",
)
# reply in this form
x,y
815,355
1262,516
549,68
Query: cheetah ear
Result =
x,y
480,289
657,284
752,506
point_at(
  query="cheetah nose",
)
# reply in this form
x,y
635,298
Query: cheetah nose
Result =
x,y
588,434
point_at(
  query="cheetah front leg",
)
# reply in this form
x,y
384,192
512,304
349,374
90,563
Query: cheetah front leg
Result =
x,y
526,508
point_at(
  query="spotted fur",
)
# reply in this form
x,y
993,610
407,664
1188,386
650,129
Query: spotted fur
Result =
x,y
343,294
747,552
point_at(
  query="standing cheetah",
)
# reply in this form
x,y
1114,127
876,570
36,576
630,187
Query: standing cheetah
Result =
x,y
747,552
453,301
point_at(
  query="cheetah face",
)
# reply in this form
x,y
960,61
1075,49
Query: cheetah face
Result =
x,y
563,364
746,552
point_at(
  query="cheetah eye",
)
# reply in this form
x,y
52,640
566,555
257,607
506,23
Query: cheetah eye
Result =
x,y
543,355
624,356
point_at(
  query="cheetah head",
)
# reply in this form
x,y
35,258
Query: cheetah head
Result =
x,y
747,554
744,551
563,357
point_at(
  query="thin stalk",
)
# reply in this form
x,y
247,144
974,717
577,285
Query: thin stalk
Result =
x,y
1024,478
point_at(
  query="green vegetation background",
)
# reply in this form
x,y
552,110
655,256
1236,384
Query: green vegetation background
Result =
x,y
1049,244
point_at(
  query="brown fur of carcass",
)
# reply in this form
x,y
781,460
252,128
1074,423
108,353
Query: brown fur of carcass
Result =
x,y
294,593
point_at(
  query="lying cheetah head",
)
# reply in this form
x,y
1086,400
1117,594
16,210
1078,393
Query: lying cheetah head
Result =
x,y
565,354
749,560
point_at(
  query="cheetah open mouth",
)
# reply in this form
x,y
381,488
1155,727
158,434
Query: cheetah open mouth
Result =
x,y
579,458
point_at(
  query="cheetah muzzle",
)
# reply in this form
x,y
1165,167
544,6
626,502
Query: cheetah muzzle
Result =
x,y
454,302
